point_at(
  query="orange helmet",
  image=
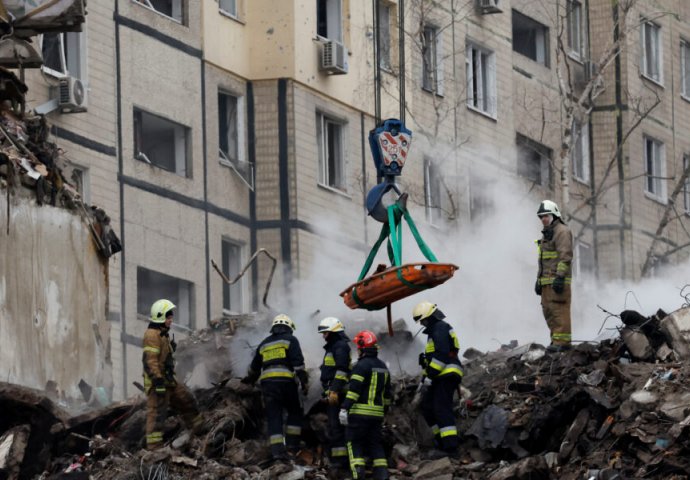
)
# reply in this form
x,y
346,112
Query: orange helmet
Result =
x,y
365,339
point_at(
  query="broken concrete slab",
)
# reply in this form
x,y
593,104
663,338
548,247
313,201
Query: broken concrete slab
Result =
x,y
13,445
676,328
434,468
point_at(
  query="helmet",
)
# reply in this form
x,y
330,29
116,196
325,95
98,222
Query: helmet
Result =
x,y
283,319
423,310
330,324
160,309
547,207
365,339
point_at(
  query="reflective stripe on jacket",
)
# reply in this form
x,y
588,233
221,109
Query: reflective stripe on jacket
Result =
x,y
277,357
369,392
337,362
441,351
555,253
157,358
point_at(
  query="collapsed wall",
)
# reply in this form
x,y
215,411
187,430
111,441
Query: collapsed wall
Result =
x,y
53,299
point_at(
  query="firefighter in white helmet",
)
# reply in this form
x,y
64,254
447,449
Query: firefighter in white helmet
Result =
x,y
335,374
160,385
278,364
555,251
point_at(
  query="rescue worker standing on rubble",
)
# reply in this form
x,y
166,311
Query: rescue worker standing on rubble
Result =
x,y
160,384
278,363
442,367
335,373
367,399
555,251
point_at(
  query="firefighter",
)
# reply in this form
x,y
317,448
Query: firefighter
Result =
x,y
335,373
555,250
366,401
278,364
441,365
160,384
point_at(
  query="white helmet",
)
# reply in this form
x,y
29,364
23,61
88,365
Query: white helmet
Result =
x,y
547,207
423,310
330,324
283,319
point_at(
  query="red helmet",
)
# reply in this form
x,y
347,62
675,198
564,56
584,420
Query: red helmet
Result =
x,y
365,339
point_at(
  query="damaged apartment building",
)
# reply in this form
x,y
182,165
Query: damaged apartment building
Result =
x,y
211,129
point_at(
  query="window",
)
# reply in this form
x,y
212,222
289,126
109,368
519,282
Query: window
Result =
x,y
432,192
432,60
686,186
584,258
62,54
530,38
228,7
169,8
79,178
685,69
152,286
533,161
384,13
329,134
655,169
481,79
329,19
575,31
481,197
580,152
232,258
162,143
651,51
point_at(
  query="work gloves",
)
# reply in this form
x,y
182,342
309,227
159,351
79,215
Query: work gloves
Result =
x,y
537,287
332,398
342,416
159,386
558,284
422,360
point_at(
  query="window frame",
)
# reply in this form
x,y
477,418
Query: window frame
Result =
x,y
579,265
138,135
545,159
685,69
432,201
686,186
182,6
323,120
658,171
644,23
83,186
545,39
234,15
333,10
491,97
238,288
183,300
575,23
385,39
580,134
67,41
432,47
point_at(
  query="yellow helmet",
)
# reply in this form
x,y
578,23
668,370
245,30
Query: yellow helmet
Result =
x,y
283,319
160,309
423,310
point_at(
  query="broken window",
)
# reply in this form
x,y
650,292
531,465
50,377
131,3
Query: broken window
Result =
x,y
79,178
232,258
432,60
533,161
480,69
162,143
574,21
228,7
580,152
651,50
584,258
384,14
433,188
655,169
686,187
62,54
170,8
329,19
530,38
152,286
685,69
329,133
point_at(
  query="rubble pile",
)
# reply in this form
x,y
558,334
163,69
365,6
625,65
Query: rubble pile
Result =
x,y
598,411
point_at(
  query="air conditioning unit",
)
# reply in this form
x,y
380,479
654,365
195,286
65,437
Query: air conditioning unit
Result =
x,y
334,57
489,6
590,69
71,95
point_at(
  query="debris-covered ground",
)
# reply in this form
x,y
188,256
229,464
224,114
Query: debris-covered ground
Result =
x,y
613,410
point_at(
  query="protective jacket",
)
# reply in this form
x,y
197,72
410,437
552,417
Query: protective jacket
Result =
x,y
158,358
555,251
441,351
369,393
337,362
278,358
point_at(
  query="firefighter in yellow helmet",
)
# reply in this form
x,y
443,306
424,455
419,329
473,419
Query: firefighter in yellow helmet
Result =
x,y
440,364
555,250
278,364
160,384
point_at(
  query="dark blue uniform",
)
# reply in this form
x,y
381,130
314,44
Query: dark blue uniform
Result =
x,y
277,361
335,373
367,398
